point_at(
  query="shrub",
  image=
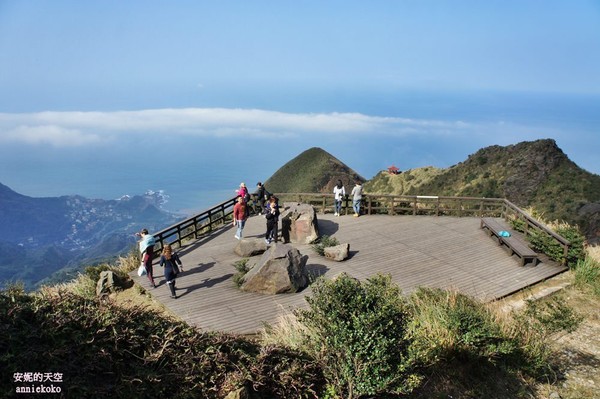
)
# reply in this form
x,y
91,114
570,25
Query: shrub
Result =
x,y
104,350
356,332
242,268
587,275
446,325
547,244
324,242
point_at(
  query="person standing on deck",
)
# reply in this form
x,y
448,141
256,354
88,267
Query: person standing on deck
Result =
x,y
239,217
272,216
356,198
169,259
339,192
262,196
245,195
147,253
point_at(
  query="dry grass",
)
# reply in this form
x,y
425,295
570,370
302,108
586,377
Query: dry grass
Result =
x,y
287,332
594,252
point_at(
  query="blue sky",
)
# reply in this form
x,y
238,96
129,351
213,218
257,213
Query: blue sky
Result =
x,y
107,55
406,82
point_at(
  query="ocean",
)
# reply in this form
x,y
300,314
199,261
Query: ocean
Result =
x,y
196,172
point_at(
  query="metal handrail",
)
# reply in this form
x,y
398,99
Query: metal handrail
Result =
x,y
197,226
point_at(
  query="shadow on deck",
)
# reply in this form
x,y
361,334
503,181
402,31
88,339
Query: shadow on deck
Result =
x,y
429,251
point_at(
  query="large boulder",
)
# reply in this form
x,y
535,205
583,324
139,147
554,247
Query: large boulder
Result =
x,y
282,269
247,247
299,223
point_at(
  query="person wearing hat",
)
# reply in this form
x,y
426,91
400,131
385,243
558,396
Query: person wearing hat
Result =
x,y
147,253
243,192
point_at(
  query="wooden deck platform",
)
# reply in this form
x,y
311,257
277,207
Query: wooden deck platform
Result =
x,y
444,252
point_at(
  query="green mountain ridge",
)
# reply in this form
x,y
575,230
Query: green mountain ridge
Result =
x,y
530,174
314,170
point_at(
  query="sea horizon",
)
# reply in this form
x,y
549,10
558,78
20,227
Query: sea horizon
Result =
x,y
437,129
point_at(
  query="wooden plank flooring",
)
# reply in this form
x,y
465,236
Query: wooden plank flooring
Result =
x,y
430,251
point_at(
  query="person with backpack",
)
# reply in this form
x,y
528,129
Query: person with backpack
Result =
x,y
262,196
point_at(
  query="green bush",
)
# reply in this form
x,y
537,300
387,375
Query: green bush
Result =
x,y
543,242
446,325
324,242
242,268
547,244
587,275
356,331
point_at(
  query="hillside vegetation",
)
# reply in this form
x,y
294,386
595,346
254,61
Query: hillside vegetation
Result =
x,y
313,171
531,174
356,339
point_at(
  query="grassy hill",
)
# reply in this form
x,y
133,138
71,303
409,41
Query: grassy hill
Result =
x,y
536,174
314,170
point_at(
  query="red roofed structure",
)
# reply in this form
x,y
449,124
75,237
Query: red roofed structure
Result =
x,y
393,170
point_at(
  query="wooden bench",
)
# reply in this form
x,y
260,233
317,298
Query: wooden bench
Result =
x,y
514,244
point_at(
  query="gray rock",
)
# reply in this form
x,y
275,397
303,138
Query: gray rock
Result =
x,y
106,283
337,253
282,269
247,247
299,223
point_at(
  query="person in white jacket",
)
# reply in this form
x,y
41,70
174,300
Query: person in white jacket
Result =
x,y
338,195
356,197
147,253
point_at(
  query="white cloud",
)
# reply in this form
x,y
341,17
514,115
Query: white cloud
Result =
x,y
63,129
55,136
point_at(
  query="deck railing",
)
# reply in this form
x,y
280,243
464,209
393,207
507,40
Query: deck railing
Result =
x,y
196,226
215,217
